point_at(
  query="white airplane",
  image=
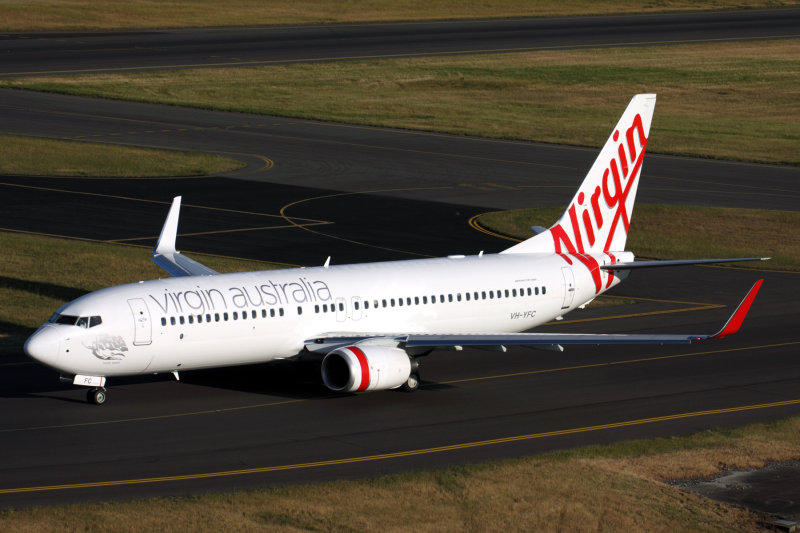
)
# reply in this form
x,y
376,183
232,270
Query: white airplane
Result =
x,y
369,323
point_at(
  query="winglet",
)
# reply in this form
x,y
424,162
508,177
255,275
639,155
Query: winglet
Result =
x,y
165,255
166,241
736,319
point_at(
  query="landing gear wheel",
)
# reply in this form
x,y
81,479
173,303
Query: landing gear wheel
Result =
x,y
412,383
97,396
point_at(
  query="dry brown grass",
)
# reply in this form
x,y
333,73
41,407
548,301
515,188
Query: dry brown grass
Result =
x,y
724,100
609,488
19,15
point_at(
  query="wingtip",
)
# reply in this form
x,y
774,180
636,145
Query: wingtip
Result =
x,y
735,321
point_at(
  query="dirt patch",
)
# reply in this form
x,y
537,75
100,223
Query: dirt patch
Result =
x,y
774,489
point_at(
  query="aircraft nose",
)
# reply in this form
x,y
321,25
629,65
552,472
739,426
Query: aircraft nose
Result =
x,y
43,346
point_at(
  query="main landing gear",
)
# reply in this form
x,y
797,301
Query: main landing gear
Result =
x,y
97,396
413,381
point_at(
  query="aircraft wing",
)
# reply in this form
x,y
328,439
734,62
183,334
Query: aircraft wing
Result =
x,y
171,260
550,340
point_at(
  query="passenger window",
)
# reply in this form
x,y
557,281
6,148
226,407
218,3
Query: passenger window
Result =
x,y
341,307
400,302
356,306
163,321
253,314
191,319
416,300
182,320
316,309
244,315
208,318
483,295
449,297
544,290
536,291
467,296
225,317
408,301
299,310
491,295
263,313
506,293
199,319
216,317
441,298
366,304
424,299
280,311
529,291
172,320
458,296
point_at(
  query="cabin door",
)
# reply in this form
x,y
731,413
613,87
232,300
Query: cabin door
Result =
x,y
141,320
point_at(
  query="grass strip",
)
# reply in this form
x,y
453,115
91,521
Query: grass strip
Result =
x,y
55,157
615,487
722,100
50,15
684,232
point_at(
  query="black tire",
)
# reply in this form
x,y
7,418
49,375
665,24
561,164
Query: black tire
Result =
x,y
97,396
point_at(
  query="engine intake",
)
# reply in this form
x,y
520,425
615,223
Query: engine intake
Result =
x,y
356,369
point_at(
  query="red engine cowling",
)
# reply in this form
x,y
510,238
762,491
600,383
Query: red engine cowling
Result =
x,y
362,368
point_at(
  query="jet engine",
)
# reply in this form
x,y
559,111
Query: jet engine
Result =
x,y
362,368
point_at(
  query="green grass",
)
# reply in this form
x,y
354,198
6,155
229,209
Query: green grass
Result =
x,y
616,487
684,232
25,15
55,157
722,100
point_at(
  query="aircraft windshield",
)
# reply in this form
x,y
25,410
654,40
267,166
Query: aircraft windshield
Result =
x,y
80,321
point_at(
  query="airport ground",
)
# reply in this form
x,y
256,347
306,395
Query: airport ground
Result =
x,y
309,190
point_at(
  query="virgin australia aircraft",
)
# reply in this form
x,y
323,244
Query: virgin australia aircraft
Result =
x,y
369,323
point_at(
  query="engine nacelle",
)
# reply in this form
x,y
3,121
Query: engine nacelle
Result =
x,y
356,369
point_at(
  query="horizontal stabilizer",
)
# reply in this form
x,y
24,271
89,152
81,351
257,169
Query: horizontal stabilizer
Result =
x,y
679,262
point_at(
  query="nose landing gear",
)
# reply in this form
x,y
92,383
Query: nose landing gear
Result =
x,y
96,396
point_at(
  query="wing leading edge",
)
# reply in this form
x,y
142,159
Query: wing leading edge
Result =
x,y
167,257
553,340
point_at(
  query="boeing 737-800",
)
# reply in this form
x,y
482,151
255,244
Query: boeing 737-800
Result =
x,y
368,323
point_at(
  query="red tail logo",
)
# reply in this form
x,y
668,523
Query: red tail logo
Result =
x,y
599,220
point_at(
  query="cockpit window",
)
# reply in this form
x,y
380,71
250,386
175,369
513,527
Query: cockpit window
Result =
x,y
69,320
72,320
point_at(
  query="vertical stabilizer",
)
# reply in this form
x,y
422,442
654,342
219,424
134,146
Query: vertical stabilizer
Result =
x,y
598,217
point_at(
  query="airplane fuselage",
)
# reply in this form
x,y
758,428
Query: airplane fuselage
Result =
x,y
198,322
